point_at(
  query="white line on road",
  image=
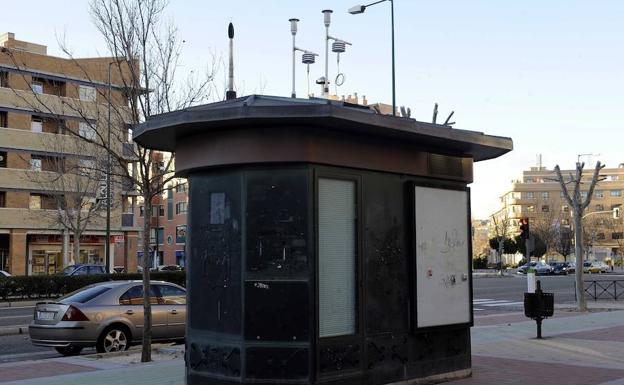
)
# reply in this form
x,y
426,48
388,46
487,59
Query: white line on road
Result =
x,y
491,301
503,304
17,316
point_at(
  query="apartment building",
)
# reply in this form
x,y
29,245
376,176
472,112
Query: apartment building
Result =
x,y
538,196
167,225
47,104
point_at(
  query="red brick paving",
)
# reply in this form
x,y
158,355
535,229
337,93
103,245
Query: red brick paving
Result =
x,y
503,371
40,369
615,333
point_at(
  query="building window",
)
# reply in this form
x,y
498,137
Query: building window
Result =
x,y
531,209
169,204
545,208
583,194
85,130
157,235
4,79
36,87
599,207
565,222
87,93
565,209
600,236
35,163
141,211
530,195
181,188
337,256
599,194
161,210
545,194
2,198
615,193
617,235
3,159
36,125
4,122
181,234
181,208
34,202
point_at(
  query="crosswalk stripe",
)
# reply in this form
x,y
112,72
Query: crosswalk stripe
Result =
x,y
503,304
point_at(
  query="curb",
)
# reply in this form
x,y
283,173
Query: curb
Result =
x,y
13,330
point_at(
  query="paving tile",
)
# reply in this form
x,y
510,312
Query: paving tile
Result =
x,y
501,371
40,369
605,334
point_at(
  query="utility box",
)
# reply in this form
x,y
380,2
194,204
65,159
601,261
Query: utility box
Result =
x,y
326,243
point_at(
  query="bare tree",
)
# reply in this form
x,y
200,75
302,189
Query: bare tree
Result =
x,y
501,226
546,222
145,53
74,177
578,206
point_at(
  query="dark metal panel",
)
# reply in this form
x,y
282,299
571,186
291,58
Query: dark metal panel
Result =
x,y
215,253
386,261
215,359
277,223
276,311
278,363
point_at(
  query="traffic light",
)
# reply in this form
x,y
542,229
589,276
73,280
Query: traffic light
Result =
x,y
524,228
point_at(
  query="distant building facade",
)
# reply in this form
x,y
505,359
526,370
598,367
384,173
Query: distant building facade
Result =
x,y
538,196
38,128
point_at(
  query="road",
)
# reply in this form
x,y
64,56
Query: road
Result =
x,y
491,295
19,315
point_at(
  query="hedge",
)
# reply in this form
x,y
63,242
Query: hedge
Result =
x,y
48,286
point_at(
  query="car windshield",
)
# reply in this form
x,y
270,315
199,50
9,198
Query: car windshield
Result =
x,y
68,269
84,295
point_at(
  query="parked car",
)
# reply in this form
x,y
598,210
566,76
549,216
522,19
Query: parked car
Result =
x,y
81,269
540,268
4,274
169,268
563,268
109,316
119,269
595,267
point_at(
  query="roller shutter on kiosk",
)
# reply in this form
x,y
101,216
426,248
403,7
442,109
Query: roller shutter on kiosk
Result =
x,y
337,257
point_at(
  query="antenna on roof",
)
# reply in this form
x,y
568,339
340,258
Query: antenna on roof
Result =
x,y
435,113
446,122
230,93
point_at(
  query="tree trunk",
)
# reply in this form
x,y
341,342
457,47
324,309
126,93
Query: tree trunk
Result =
x,y
146,353
578,252
76,251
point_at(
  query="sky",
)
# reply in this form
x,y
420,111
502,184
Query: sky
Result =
x,y
548,74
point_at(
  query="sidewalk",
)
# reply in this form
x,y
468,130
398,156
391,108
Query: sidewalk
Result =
x,y
578,349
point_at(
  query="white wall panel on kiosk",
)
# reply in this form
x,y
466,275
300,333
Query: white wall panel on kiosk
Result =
x,y
442,257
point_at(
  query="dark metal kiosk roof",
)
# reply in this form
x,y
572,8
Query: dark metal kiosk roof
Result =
x,y
162,132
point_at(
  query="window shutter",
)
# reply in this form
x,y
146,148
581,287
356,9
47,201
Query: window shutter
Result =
x,y
337,257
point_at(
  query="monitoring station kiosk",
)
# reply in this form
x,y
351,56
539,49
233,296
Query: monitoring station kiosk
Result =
x,y
327,243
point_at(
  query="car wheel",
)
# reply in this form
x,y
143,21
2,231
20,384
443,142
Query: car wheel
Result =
x,y
113,339
69,350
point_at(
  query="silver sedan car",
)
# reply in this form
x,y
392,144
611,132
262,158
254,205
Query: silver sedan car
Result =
x,y
109,316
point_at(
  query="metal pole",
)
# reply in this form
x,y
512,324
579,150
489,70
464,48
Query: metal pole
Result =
x,y
108,171
393,73
294,93
326,82
157,228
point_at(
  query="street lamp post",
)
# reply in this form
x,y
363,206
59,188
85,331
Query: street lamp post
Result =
x,y
108,172
360,9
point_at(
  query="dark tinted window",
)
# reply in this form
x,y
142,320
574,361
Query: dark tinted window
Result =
x,y
172,295
85,295
134,296
81,271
